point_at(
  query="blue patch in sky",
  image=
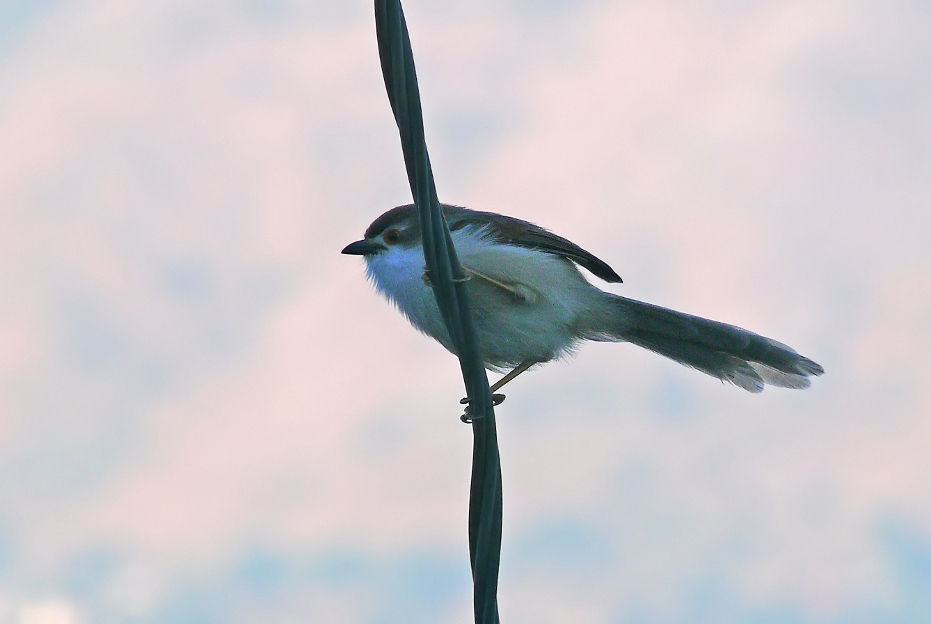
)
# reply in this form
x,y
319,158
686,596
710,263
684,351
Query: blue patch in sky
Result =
x,y
340,569
268,585
6,552
263,572
560,543
18,18
191,606
908,553
670,399
91,337
87,573
188,279
777,614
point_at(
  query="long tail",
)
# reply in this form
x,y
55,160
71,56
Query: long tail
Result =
x,y
729,353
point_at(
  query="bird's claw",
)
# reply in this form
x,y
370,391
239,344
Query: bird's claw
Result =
x,y
468,417
496,399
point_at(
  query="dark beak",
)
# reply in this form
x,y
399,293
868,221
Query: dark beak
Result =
x,y
363,248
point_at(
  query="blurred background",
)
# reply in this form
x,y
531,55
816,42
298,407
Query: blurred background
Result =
x,y
207,414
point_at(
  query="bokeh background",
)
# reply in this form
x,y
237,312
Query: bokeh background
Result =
x,y
207,415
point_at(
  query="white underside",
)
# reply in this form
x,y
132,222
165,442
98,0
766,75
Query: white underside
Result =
x,y
540,324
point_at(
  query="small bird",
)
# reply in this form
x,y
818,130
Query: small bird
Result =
x,y
531,303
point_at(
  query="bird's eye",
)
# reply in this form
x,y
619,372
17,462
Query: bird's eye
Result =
x,y
392,236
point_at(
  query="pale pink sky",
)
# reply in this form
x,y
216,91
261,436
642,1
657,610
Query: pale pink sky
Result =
x,y
207,414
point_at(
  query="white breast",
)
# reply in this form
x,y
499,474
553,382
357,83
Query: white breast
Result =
x,y
398,274
510,330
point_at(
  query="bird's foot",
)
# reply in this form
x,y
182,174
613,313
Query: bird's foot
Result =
x,y
468,417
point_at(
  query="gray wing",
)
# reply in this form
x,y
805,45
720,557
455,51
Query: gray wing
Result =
x,y
513,231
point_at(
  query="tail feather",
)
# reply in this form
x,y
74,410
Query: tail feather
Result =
x,y
732,354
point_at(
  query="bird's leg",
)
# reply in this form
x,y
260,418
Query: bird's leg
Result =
x,y
517,370
497,399
517,291
428,280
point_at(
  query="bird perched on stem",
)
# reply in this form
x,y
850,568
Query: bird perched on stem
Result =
x,y
531,304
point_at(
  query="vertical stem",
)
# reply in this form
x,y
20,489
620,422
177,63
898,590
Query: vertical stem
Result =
x,y
485,500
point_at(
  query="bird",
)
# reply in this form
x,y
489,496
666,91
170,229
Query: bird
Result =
x,y
531,304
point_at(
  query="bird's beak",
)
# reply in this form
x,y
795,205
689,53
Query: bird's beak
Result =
x,y
364,248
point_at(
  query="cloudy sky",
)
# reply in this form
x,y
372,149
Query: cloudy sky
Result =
x,y
207,415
